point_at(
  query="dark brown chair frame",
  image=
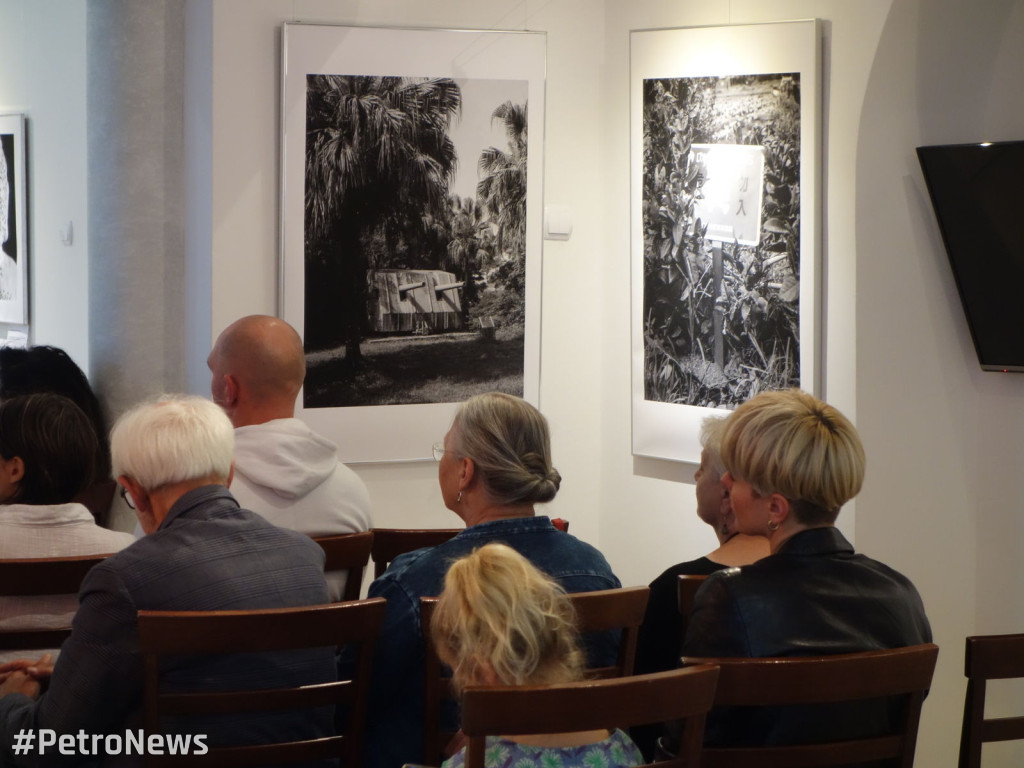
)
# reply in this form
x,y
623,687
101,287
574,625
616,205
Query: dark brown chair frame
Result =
x,y
349,552
389,543
217,632
903,672
683,695
33,577
687,593
988,657
599,611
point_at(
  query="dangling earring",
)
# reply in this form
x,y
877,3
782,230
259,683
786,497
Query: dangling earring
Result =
x,y
459,498
773,526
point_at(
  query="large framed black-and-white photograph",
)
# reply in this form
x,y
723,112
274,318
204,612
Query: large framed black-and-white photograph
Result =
x,y
13,228
412,164
725,144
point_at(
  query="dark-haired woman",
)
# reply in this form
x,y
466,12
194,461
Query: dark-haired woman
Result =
x,y
50,369
48,452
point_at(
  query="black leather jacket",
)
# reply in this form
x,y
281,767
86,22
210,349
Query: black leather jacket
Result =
x,y
814,596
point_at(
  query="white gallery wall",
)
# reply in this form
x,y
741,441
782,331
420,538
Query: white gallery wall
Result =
x,y
942,502
42,74
944,439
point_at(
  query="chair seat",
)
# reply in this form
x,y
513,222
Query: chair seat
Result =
x,y
389,543
598,611
35,577
349,552
163,634
683,696
902,674
988,657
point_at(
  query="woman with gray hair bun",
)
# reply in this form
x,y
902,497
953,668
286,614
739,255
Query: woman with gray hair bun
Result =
x,y
494,466
500,447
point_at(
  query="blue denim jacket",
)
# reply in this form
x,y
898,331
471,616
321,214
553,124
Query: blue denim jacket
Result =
x,y
395,718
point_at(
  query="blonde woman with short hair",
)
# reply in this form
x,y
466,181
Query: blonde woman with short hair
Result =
x,y
500,621
792,462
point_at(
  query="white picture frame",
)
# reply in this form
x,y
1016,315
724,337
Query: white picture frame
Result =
x,y
14,228
709,86
484,64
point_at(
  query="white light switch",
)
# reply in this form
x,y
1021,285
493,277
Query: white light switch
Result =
x,y
557,222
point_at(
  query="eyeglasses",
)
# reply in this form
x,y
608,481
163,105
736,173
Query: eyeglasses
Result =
x,y
127,497
438,449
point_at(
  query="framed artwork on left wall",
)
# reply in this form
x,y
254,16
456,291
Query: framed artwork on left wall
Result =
x,y
412,177
13,227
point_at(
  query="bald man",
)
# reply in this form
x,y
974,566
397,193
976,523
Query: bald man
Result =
x,y
283,470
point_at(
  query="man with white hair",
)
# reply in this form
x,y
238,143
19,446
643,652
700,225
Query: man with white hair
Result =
x,y
284,471
201,552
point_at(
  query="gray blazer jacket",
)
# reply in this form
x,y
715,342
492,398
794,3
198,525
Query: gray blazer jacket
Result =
x,y
208,554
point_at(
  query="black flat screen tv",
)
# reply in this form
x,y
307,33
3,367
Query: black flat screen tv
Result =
x,y
977,191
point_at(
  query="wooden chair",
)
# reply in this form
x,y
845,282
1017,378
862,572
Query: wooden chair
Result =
x,y
349,552
688,586
35,577
600,611
683,695
901,672
218,632
389,543
988,657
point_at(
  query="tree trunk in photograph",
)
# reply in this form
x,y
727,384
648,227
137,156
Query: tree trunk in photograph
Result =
x,y
717,315
353,285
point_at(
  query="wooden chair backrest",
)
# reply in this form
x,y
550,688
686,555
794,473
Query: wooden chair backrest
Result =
x,y
988,657
599,611
900,672
349,552
688,586
34,577
217,632
682,695
389,543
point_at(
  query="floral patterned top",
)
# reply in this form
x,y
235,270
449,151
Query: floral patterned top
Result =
x,y
617,751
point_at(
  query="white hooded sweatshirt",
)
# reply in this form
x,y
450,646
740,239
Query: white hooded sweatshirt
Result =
x,y
291,476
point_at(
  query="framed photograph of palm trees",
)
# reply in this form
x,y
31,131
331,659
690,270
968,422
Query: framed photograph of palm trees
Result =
x,y
724,127
411,226
13,228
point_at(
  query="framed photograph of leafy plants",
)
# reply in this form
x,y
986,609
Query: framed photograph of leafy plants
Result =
x,y
725,144
411,208
13,224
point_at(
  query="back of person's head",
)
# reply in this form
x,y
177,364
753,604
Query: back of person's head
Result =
x,y
711,431
51,369
508,441
499,614
56,443
173,439
265,353
793,444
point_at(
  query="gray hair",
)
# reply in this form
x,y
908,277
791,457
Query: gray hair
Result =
x,y
711,431
172,439
508,441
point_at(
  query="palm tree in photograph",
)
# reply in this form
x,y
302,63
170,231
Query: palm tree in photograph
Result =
x,y
502,192
377,150
467,246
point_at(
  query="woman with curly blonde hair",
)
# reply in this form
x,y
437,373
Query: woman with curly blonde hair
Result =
x,y
500,621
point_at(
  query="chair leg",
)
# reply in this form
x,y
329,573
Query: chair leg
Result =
x,y
970,733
